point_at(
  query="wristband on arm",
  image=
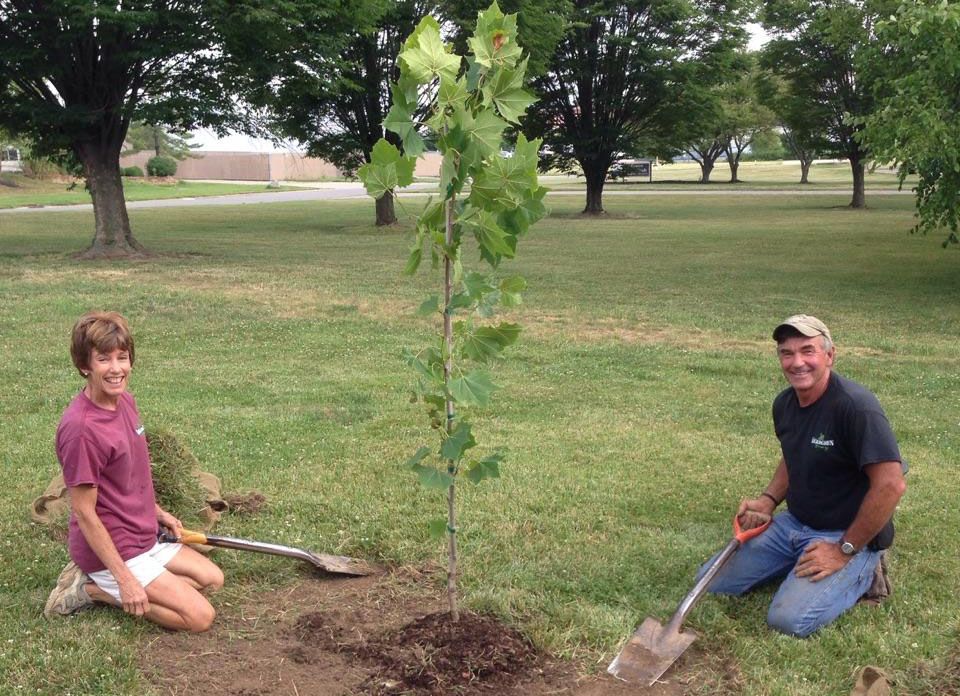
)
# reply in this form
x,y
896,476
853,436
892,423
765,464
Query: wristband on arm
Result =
x,y
775,501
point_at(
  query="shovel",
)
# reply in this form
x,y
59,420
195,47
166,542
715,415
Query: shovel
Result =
x,y
341,565
653,648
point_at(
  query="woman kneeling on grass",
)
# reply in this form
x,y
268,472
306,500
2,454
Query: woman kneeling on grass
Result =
x,y
114,513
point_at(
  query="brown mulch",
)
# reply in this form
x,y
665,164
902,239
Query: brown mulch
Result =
x,y
374,636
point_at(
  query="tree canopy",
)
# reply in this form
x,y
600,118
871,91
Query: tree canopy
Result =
x,y
84,69
916,125
618,73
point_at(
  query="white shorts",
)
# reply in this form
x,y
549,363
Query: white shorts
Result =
x,y
146,568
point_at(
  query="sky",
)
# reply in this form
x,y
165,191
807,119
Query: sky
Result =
x,y
209,142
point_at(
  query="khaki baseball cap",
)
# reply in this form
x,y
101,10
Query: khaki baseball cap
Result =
x,y
804,323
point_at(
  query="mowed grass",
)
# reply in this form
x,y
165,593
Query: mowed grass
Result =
x,y
32,192
753,176
634,412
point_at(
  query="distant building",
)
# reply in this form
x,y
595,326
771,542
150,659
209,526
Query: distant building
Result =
x,y
263,166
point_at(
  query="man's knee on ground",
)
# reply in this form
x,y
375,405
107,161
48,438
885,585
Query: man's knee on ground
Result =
x,y
793,623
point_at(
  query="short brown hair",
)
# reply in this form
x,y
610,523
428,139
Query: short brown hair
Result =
x,y
102,331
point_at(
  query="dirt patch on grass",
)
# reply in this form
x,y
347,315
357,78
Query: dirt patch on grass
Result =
x,y
372,636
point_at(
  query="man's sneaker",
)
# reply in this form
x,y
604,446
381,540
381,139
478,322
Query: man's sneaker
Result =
x,y
69,595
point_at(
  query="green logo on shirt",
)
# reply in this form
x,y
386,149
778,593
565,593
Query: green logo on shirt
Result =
x,y
821,442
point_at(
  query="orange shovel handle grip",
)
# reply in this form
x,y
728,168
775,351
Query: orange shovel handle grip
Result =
x,y
188,536
743,535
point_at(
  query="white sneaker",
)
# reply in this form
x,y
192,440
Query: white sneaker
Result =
x,y
70,594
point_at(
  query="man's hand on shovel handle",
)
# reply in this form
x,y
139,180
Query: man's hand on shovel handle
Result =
x,y
754,512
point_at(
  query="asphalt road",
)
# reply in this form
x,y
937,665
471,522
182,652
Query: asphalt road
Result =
x,y
348,190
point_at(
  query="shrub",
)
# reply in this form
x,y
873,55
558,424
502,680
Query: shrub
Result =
x,y
40,167
161,166
131,171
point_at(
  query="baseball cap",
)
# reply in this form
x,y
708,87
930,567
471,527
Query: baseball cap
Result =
x,y
804,323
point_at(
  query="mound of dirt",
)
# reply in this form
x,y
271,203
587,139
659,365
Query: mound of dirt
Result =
x,y
432,654
370,636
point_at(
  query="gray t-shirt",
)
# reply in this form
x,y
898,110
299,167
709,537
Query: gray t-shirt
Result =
x,y
826,446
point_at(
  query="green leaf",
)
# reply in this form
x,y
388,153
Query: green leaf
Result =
x,y
400,121
460,301
413,261
488,342
378,179
449,171
430,57
513,104
433,478
458,442
452,93
505,89
437,528
429,368
415,460
488,233
486,468
477,284
473,389
426,23
514,284
429,306
510,289
495,38
485,130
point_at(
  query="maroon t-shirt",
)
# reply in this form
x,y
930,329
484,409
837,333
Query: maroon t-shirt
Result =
x,y
107,449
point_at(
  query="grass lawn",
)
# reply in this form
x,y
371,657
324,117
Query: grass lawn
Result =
x,y
753,175
40,193
635,414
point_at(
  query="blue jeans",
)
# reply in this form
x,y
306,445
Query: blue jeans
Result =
x,y
800,606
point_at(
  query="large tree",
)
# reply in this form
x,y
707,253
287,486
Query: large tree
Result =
x,y
618,73
83,69
815,49
744,116
801,124
916,126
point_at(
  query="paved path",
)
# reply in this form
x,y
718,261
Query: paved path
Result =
x,y
347,190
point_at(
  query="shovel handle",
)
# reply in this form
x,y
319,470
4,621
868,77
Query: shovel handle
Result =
x,y
743,535
739,537
187,536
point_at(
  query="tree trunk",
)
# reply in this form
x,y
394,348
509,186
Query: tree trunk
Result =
x,y
112,237
595,180
447,369
385,212
734,165
705,168
805,170
859,196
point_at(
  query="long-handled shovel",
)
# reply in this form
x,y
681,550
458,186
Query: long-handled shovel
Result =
x,y
652,648
342,565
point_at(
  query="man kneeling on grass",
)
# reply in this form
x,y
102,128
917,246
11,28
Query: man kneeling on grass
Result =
x,y
114,514
841,475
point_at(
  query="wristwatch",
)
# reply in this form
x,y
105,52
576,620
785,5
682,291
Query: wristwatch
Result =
x,y
847,548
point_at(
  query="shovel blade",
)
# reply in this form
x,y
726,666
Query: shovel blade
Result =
x,y
342,565
649,652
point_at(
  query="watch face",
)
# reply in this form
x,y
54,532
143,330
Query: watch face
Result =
x,y
847,548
